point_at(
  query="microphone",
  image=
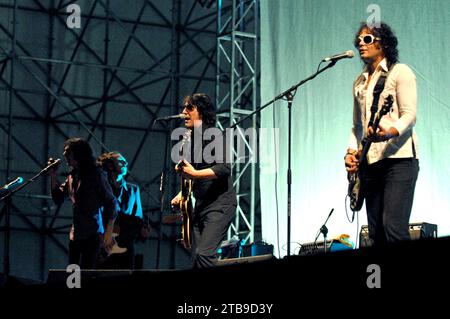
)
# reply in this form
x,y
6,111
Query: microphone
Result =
x,y
347,54
172,117
13,184
10,186
55,162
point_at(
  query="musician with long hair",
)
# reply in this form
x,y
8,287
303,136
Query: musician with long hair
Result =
x,y
215,198
391,165
93,202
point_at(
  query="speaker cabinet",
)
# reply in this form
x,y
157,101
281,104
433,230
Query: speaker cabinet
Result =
x,y
422,230
416,231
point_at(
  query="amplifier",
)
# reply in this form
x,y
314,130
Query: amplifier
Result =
x,y
416,231
318,247
313,248
422,230
256,249
235,249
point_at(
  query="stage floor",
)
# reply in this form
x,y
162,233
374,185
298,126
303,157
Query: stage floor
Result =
x,y
417,267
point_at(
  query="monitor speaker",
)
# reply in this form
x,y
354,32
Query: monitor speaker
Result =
x,y
416,231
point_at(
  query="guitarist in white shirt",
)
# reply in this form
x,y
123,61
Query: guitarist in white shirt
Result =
x,y
392,166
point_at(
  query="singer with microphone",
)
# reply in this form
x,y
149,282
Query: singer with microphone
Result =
x,y
389,172
215,198
92,200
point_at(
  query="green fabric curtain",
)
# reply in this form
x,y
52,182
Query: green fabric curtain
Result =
x,y
295,36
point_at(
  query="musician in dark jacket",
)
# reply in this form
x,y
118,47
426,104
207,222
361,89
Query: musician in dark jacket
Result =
x,y
215,198
92,200
129,219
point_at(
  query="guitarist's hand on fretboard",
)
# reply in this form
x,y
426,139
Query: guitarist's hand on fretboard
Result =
x,y
186,169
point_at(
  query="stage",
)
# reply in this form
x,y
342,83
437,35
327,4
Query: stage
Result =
x,y
420,263
267,288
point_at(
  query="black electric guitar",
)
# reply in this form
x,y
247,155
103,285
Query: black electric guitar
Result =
x,y
356,185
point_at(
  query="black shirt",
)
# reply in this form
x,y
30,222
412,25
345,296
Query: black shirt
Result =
x,y
212,194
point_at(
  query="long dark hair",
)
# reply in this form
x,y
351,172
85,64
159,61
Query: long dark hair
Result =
x,y
388,40
204,106
82,153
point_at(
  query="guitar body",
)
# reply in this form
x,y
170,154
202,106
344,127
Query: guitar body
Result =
x,y
125,232
186,210
115,249
356,190
105,255
185,204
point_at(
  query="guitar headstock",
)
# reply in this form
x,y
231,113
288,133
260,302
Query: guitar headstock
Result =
x,y
386,106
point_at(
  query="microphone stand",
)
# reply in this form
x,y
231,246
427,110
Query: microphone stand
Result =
x,y
162,189
288,95
7,212
324,230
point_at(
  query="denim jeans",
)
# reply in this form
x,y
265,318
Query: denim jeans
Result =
x,y
389,186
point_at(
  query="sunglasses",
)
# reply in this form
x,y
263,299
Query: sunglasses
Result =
x,y
367,39
189,107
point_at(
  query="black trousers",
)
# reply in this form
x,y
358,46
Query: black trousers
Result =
x,y
389,198
84,252
209,230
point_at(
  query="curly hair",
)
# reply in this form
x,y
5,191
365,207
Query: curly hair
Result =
x,y
204,106
388,40
82,153
106,161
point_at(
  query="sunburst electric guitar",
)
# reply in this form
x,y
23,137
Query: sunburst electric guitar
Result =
x,y
185,206
356,185
186,212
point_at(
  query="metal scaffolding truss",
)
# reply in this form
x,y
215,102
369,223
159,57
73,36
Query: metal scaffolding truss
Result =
x,y
236,97
106,81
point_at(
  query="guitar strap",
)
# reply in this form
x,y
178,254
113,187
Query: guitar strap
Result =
x,y
379,87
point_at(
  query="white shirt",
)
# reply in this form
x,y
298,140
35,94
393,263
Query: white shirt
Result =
x,y
401,84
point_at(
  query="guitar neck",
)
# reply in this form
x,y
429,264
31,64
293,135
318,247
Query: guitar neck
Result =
x,y
365,150
186,186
